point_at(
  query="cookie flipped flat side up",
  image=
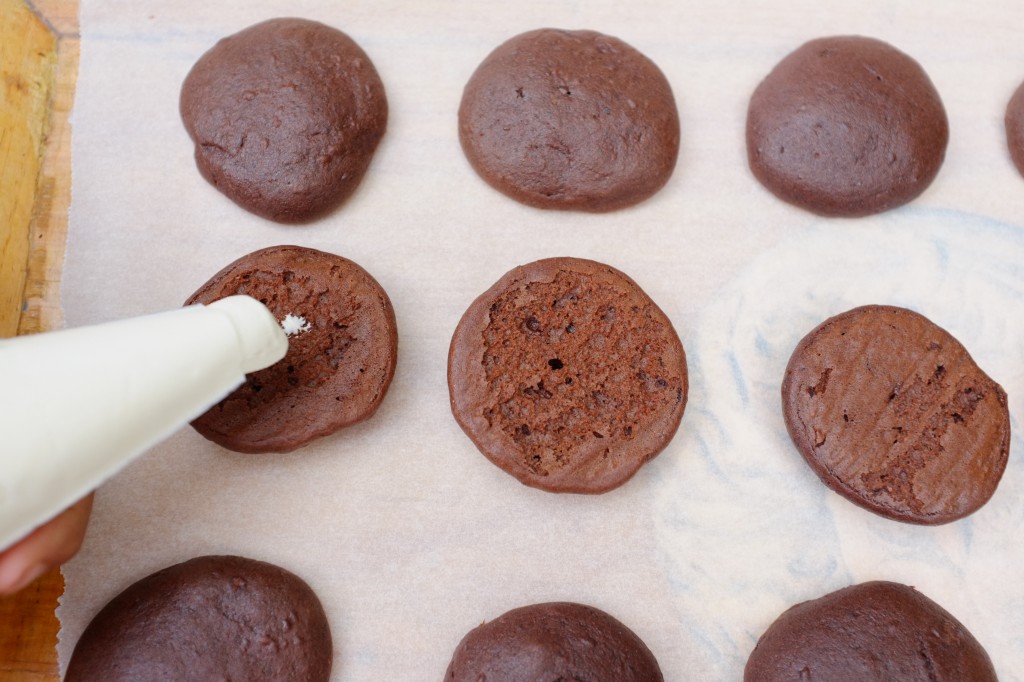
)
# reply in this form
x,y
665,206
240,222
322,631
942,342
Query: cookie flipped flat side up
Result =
x,y
335,373
553,641
891,412
846,126
566,375
872,632
571,120
285,116
209,618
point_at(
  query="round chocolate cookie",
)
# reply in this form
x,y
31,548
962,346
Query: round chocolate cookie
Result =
x,y
567,375
210,618
872,632
554,641
342,350
285,116
570,120
846,126
1015,128
891,412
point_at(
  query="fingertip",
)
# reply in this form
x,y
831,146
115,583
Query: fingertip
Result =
x,y
48,546
15,576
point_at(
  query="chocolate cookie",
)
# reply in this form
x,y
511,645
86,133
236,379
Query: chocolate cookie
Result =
x,y
570,120
1015,128
846,126
566,375
210,618
872,632
342,350
285,117
891,412
554,641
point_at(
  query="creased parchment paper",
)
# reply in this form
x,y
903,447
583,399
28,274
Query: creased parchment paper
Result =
x,y
406,532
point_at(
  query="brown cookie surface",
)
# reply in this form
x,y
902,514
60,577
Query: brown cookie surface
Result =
x,y
872,632
891,412
285,116
553,641
1015,128
846,126
570,120
210,618
566,375
335,373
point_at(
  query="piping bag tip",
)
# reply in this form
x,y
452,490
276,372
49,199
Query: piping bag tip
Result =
x,y
261,340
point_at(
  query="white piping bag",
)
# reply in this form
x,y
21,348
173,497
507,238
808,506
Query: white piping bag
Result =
x,y
78,405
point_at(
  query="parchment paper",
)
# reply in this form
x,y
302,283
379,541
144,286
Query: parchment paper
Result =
x,y
407,533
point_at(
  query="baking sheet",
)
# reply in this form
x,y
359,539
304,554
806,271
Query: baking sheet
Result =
x,y
406,532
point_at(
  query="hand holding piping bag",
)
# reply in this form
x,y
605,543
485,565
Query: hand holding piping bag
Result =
x,y
94,398
45,548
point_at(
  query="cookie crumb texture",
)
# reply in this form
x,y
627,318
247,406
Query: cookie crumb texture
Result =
x,y
209,618
570,120
553,641
335,374
846,126
872,632
567,376
891,412
1015,128
285,116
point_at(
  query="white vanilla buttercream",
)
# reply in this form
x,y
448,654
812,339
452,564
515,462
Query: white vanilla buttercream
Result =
x,y
294,324
77,405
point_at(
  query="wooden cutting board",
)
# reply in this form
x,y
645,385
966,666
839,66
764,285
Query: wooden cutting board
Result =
x,y
39,47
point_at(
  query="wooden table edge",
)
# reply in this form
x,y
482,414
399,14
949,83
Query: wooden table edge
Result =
x,y
28,624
